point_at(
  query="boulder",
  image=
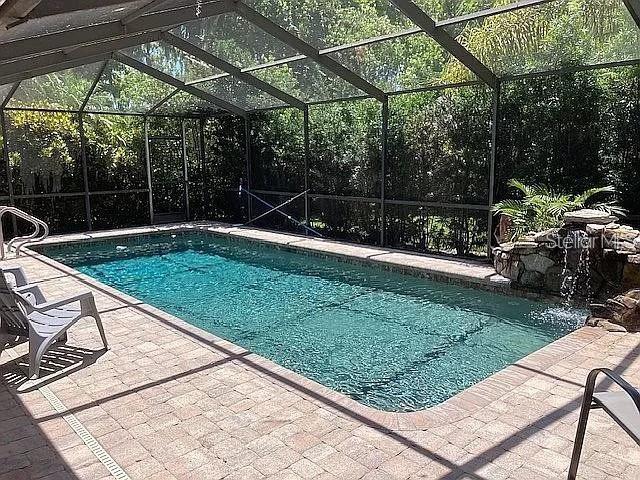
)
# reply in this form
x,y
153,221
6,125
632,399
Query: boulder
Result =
x,y
622,234
536,262
548,236
619,314
631,273
594,229
611,327
553,279
507,266
532,279
587,216
622,247
524,246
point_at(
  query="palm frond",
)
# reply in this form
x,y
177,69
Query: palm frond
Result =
x,y
587,194
541,208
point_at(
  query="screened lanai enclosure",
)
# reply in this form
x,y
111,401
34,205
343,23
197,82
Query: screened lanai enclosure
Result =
x,y
385,122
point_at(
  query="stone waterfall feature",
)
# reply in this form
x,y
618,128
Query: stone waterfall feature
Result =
x,y
591,256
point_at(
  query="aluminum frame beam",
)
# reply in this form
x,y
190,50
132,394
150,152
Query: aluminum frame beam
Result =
x,y
57,7
147,164
306,49
25,67
174,82
93,86
71,39
7,99
232,70
490,12
17,77
141,11
153,109
634,9
450,44
495,125
15,11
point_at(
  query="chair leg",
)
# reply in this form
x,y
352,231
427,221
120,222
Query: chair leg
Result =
x,y
35,343
4,337
101,330
4,342
579,440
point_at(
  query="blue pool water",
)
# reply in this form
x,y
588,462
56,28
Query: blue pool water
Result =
x,y
390,341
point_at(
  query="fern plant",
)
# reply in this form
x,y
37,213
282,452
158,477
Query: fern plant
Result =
x,y
540,208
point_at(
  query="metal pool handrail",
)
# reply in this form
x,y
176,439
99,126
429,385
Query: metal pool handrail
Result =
x,y
18,242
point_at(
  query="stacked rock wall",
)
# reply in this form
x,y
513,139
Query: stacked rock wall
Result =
x,y
590,256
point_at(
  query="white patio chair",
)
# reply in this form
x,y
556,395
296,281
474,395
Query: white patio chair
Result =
x,y
25,312
15,276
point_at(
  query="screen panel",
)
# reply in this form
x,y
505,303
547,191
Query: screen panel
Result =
x,y
172,61
62,214
449,231
346,148
4,91
337,22
45,155
404,63
439,146
64,90
239,93
277,150
126,90
308,81
352,221
235,40
556,34
444,9
115,152
185,103
119,210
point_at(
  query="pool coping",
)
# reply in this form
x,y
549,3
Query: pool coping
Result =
x,y
465,272
457,407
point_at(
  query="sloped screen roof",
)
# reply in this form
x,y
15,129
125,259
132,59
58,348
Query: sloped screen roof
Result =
x,y
192,57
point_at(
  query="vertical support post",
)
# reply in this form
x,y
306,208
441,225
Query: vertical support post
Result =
x,y
307,157
203,166
85,173
5,148
383,172
185,167
247,149
147,157
495,118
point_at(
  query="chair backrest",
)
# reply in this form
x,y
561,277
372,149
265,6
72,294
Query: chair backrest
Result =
x,y
12,308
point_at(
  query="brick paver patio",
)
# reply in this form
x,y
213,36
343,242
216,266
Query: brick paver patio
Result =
x,y
169,401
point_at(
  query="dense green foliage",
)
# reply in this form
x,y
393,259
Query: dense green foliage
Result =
x,y
572,132
540,208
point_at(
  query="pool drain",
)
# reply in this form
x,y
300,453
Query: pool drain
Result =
x,y
110,464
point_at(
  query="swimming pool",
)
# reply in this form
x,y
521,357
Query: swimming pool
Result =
x,y
390,341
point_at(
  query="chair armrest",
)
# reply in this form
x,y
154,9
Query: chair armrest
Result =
x,y
615,378
85,296
33,290
18,274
